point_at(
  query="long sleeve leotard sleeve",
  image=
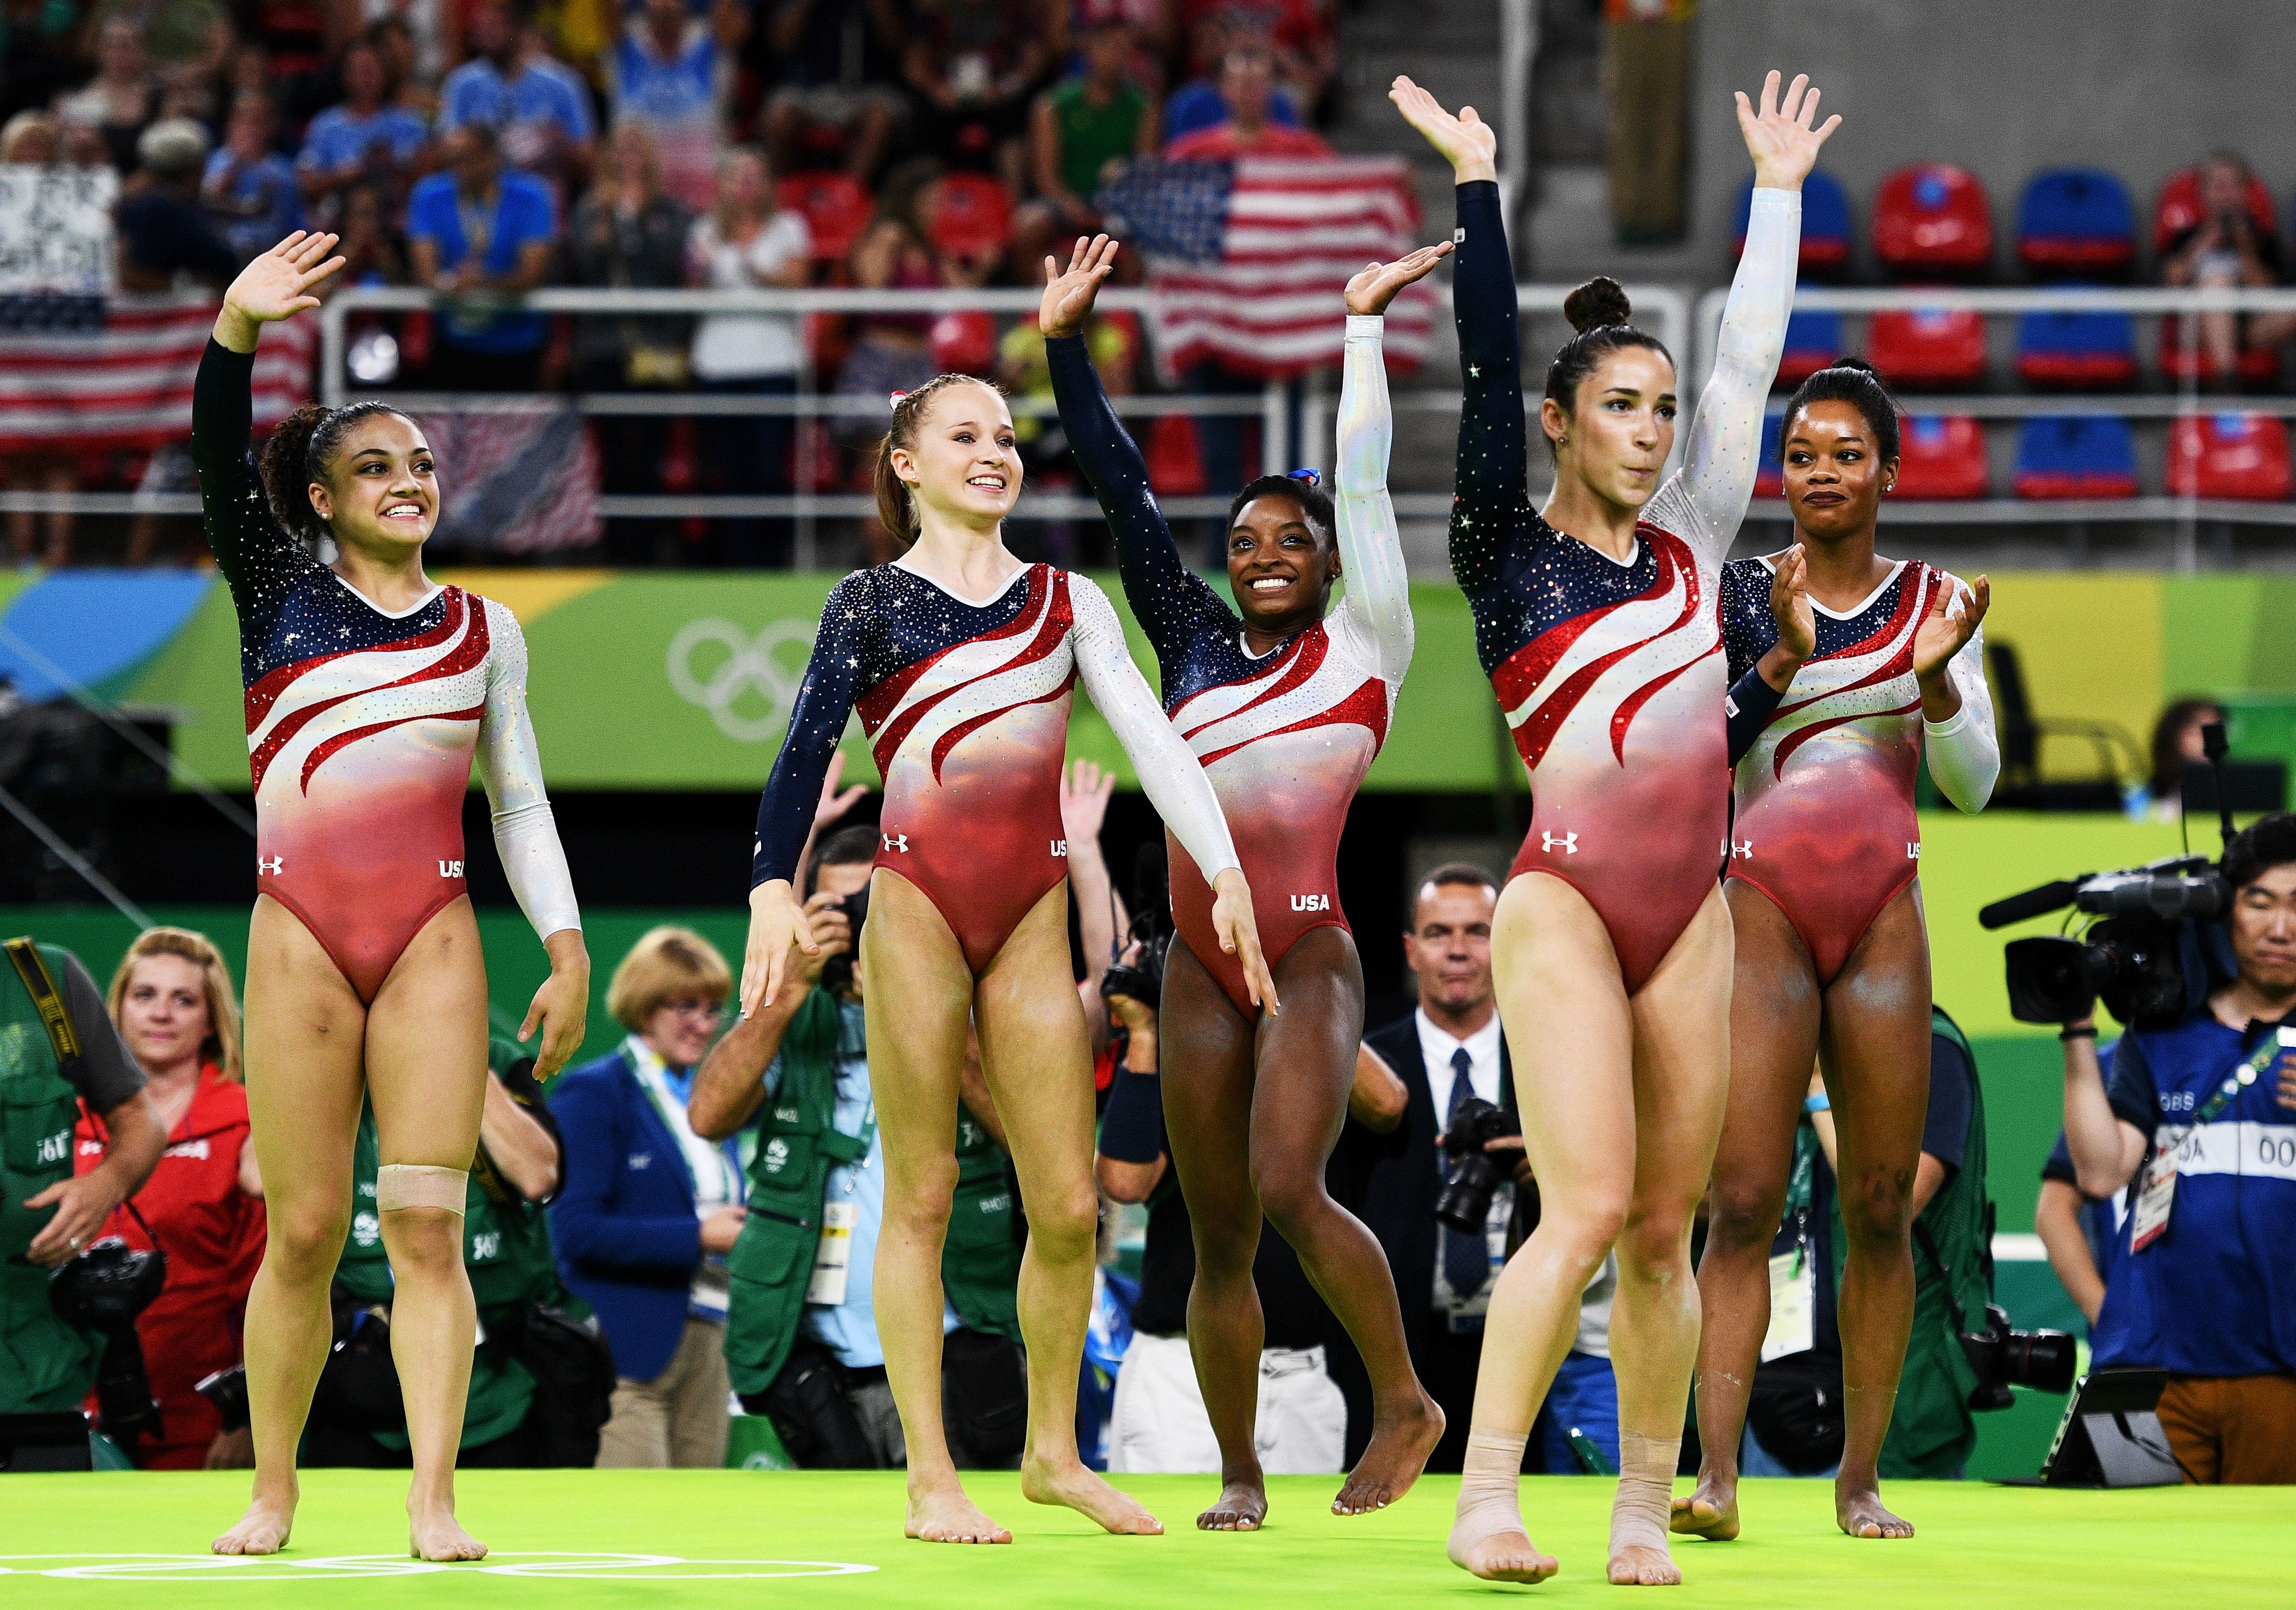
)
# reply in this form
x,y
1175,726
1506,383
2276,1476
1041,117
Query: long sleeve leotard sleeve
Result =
x,y
1174,782
1371,548
510,765
1492,503
1965,757
254,554
817,718
1725,438
1171,602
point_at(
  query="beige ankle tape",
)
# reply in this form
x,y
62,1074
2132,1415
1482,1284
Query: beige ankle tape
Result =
x,y
402,1185
1490,1481
1638,1514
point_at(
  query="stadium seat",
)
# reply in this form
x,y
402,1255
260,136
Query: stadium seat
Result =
x,y
1943,458
965,343
971,215
2076,221
2067,351
1927,346
2230,455
1176,457
1825,229
2073,456
835,206
2179,207
1933,218
1813,341
2254,367
1770,469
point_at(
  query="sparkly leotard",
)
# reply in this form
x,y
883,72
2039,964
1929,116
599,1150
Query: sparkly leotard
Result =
x,y
1824,823
1610,672
1286,736
966,707
362,724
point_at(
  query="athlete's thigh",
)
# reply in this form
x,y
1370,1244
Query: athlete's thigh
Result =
x,y
1876,1045
305,1061
1306,1055
1204,1055
1682,1062
916,996
1037,1051
1569,1034
1773,1020
426,1045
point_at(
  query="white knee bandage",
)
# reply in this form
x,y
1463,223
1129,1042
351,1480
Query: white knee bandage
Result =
x,y
398,1185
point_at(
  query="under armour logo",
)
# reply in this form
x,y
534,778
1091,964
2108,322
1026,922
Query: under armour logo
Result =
x,y
1913,851
895,843
1566,842
450,869
270,866
1311,903
1745,852
1059,846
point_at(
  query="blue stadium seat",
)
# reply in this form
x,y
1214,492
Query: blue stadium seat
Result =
x,y
2066,351
2076,221
2069,457
1770,471
1825,228
1813,341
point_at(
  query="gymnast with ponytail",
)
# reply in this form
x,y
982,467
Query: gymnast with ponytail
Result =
x,y
370,691
1596,619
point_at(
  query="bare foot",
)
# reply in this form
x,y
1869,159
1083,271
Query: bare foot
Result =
x,y
1391,1463
1861,1514
945,1515
262,1530
1074,1487
1503,1556
1242,1506
1640,1566
433,1533
1711,1511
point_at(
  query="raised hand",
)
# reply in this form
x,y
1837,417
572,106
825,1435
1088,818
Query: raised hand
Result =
x,y
1069,295
836,802
1952,621
1084,791
1790,605
1779,136
1373,288
1470,144
276,285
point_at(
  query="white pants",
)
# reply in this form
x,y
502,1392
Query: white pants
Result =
x,y
1158,1424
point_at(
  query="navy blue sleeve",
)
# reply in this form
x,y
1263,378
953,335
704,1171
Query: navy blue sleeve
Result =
x,y
1493,501
1748,710
1945,1131
817,718
250,546
1171,602
2060,1163
1131,1126
591,1231
2128,1084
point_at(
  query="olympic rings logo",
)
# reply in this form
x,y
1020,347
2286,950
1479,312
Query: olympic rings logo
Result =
x,y
266,1568
714,664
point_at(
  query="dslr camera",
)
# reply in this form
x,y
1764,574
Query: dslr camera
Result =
x,y
2003,1357
1465,1202
837,972
102,1290
1142,978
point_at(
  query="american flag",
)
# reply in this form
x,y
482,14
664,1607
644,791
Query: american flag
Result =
x,y
1247,259
87,374
520,482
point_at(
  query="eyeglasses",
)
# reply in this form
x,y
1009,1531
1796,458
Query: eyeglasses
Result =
x,y
712,1009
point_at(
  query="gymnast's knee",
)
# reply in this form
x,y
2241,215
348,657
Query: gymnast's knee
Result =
x,y
1742,1215
919,1195
1064,1223
1877,1212
304,1240
1291,1194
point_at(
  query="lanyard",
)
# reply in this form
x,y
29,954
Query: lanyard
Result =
x,y
652,1079
2249,1071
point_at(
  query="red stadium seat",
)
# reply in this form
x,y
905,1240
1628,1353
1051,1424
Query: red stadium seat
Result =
x,y
1943,459
971,215
2179,209
2230,455
1933,218
965,343
1928,347
836,210
2255,365
1176,457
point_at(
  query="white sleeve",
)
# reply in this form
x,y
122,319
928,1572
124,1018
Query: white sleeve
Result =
x,y
1371,548
1725,438
1965,757
1175,785
510,765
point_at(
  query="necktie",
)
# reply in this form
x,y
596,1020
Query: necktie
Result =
x,y
1467,1258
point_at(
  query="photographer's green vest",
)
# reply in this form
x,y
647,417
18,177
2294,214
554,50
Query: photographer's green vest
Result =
x,y
45,1366
1932,1432
507,1253
797,1145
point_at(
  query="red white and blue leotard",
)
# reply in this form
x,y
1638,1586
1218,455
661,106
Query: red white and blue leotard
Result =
x,y
1610,674
1824,823
965,704
1285,737
362,724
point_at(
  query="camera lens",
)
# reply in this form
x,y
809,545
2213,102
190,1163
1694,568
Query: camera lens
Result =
x,y
1464,1203
2042,1360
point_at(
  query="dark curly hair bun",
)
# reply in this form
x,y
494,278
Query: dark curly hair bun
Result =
x,y
1600,301
1853,364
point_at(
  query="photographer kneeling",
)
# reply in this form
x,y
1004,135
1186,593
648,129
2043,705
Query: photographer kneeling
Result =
x,y
801,1325
2196,1120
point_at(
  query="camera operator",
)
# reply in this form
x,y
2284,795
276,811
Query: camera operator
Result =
x,y
2195,1120
801,1341
50,1061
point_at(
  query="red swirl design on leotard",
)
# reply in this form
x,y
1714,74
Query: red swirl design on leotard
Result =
x,y
1046,620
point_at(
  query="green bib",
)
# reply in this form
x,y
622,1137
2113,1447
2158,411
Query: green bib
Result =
x,y
45,1366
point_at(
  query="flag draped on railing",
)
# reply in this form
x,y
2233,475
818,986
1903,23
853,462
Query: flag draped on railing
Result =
x,y
1247,259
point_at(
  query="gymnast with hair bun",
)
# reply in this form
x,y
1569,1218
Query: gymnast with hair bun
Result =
x,y
962,662
370,691
1596,619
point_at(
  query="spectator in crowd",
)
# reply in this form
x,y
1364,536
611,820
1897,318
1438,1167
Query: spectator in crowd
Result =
x,y
2203,1266
2077,1231
830,65
53,1207
413,86
39,55
2175,745
1247,86
745,242
33,137
628,232
889,351
420,39
164,233
650,1208
975,64
173,1004
479,227
807,1353
1198,103
1152,34
292,35
673,73
30,137
362,141
1083,124
540,107
123,99
369,247
250,189
1297,34
2228,247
